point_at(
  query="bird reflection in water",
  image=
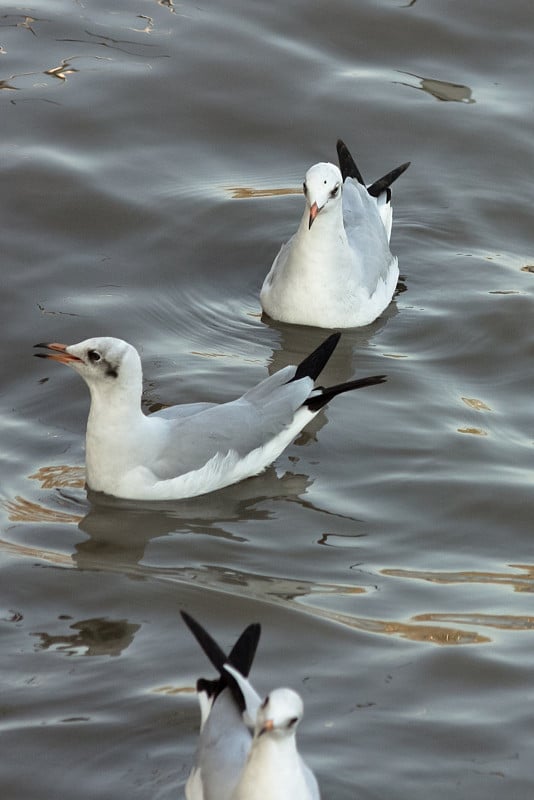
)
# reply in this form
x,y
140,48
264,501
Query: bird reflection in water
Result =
x,y
93,637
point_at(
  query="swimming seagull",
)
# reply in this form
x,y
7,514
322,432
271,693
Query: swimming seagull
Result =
x,y
247,748
337,271
191,449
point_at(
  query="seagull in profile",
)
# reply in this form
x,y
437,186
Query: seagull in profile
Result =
x,y
337,271
190,449
247,747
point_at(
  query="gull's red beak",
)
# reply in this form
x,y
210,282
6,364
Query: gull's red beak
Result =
x,y
314,210
62,356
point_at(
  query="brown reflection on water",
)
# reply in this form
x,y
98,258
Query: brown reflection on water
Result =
x,y
22,510
431,634
60,476
507,622
5,85
304,596
14,549
98,637
478,405
473,431
247,192
62,70
521,583
25,22
174,690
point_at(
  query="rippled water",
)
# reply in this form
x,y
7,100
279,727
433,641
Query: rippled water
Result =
x,y
151,161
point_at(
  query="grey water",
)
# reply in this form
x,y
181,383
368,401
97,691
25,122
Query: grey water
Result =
x,y
150,166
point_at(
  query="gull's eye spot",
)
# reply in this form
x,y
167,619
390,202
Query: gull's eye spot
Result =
x,y
292,721
335,190
305,187
93,355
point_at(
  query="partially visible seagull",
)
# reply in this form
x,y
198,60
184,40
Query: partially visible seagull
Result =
x,y
247,748
191,449
337,271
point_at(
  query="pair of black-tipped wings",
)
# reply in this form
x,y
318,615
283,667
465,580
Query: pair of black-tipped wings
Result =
x,y
312,366
348,168
240,657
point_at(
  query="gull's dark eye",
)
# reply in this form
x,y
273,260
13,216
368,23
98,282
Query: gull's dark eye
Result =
x,y
93,355
292,721
335,190
305,188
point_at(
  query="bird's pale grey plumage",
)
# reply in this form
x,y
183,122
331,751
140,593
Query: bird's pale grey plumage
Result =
x,y
187,450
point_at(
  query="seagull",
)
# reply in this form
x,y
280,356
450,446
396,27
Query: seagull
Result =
x,y
195,448
247,748
337,271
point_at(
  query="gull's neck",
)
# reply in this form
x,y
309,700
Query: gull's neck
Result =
x,y
272,761
118,433
314,246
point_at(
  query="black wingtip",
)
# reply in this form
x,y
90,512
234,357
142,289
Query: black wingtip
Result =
x,y
317,402
242,653
241,657
313,364
210,647
383,184
211,688
347,165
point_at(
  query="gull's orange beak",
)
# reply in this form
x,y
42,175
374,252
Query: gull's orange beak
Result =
x,y
62,356
314,210
268,725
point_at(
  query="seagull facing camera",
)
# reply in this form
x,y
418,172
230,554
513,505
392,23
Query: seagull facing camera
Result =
x,y
337,271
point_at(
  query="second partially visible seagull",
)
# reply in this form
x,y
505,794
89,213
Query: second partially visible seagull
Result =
x,y
247,748
337,271
191,449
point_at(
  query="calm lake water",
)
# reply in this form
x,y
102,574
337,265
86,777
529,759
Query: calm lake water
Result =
x,y
152,155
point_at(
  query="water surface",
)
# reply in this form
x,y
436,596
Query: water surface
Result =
x,y
151,164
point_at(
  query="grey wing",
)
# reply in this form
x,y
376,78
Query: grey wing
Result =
x,y
222,750
182,411
366,233
241,425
